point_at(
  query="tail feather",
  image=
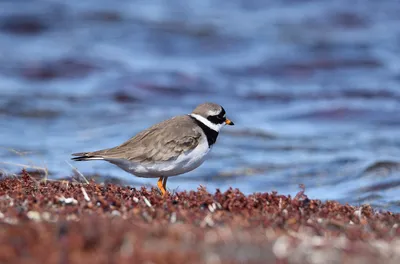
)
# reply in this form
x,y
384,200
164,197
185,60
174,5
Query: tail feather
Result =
x,y
85,156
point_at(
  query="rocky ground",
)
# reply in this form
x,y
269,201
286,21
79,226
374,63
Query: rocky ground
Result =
x,y
45,221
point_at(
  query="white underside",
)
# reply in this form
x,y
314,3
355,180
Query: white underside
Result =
x,y
186,162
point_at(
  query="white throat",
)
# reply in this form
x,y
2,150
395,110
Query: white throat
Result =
x,y
205,121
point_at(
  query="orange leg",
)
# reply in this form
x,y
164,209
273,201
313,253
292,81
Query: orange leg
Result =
x,y
160,185
165,183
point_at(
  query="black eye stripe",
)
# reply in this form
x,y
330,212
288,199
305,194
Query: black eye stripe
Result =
x,y
216,119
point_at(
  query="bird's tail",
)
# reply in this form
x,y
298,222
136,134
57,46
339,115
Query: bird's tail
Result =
x,y
83,156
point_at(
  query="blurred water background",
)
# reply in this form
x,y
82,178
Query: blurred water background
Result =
x,y
312,86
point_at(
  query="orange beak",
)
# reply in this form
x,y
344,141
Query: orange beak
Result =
x,y
229,122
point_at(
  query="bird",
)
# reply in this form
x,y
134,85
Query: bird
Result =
x,y
169,148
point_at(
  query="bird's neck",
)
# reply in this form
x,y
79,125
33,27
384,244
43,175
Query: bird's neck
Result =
x,y
208,130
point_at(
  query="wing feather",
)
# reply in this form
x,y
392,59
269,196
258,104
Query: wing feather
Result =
x,y
161,142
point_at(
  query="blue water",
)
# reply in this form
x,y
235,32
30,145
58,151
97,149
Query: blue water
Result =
x,y
312,86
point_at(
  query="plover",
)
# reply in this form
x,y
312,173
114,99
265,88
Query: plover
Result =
x,y
170,148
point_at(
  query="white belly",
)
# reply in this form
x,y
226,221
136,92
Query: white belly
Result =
x,y
186,162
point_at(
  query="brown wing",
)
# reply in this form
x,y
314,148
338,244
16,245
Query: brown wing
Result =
x,y
161,142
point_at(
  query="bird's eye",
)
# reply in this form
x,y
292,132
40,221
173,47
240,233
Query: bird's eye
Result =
x,y
217,119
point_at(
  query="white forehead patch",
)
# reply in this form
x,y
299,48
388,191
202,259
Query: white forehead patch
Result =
x,y
214,112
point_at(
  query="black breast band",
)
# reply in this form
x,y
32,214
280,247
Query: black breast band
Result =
x,y
210,133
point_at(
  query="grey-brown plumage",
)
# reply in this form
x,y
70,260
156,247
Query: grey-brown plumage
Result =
x,y
161,142
169,148
208,109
